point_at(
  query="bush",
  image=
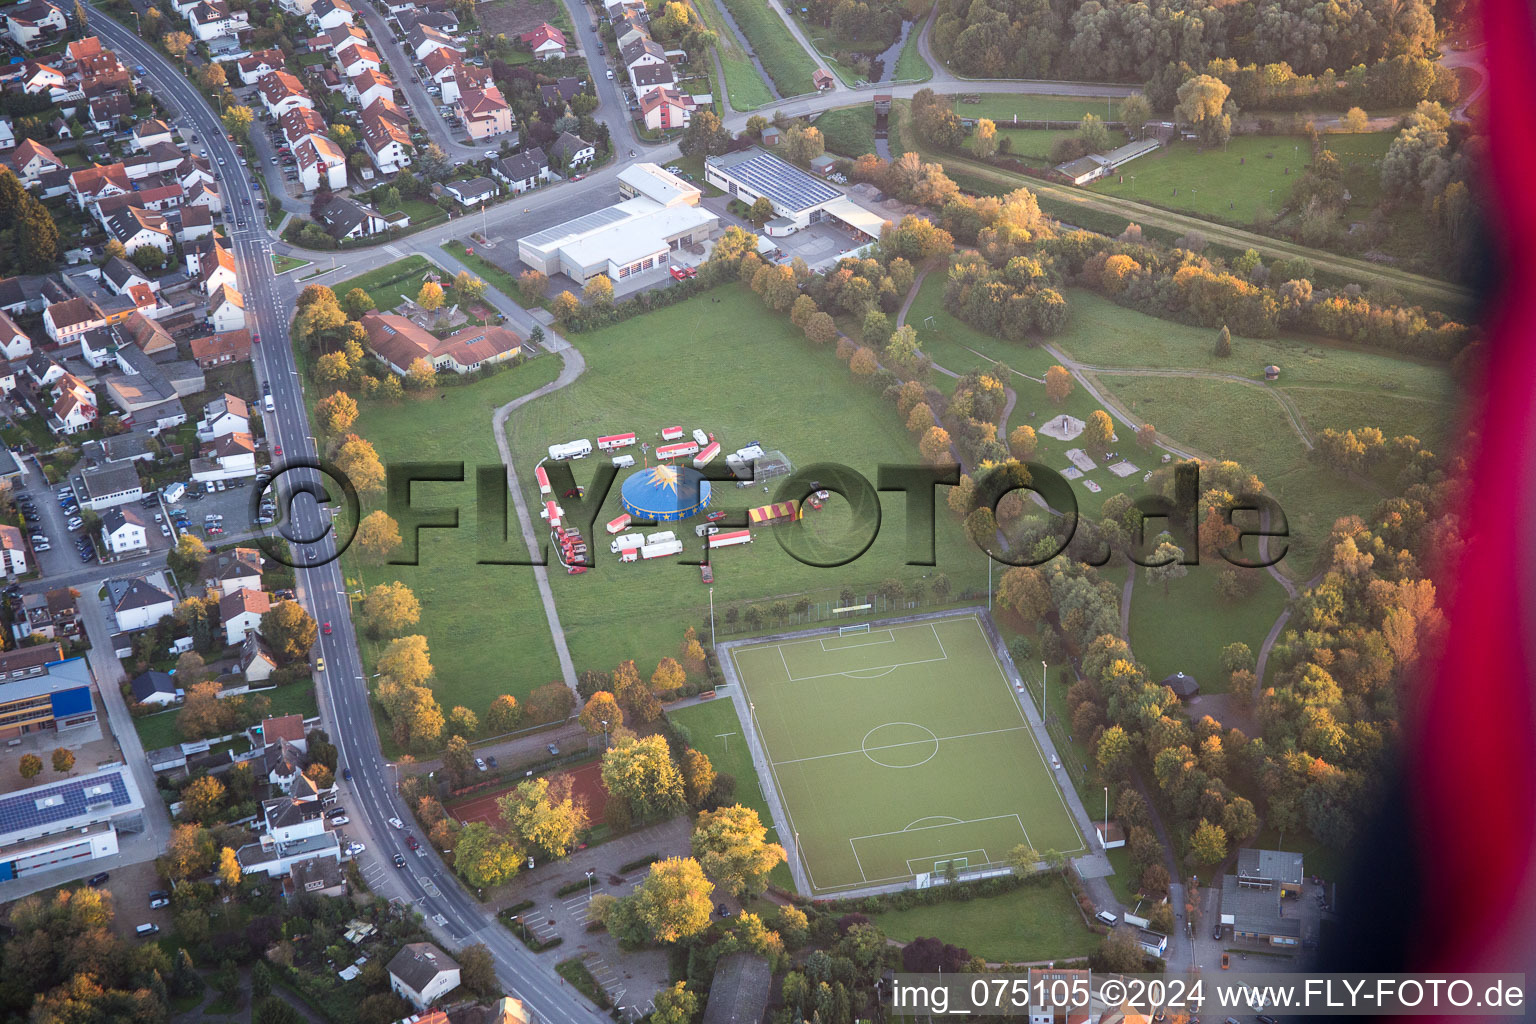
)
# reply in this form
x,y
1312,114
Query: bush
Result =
x,y
635,865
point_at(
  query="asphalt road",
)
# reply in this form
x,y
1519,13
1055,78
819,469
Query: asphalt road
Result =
x,y
425,883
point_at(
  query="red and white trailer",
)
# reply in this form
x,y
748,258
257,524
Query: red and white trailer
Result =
x,y
552,513
707,455
662,550
629,555
671,433
615,441
618,525
543,479
725,540
677,451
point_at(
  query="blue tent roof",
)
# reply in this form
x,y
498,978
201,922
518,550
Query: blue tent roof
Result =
x,y
665,492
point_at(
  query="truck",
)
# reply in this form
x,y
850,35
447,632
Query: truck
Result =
x,y
662,550
615,441
629,540
570,450
707,456
727,539
671,433
677,451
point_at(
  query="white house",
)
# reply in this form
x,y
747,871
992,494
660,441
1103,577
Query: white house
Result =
x,y
14,343
224,415
421,974
241,613
213,18
258,65
329,14
7,134
387,136
138,603
321,163
158,688
281,92
354,58
124,529
139,229
66,321
226,310
147,133
229,571
522,171
13,550
370,86
29,24
32,160
293,831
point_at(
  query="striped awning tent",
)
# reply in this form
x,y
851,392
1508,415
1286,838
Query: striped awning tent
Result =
x,y
773,513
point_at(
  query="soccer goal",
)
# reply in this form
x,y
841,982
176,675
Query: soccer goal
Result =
x,y
862,627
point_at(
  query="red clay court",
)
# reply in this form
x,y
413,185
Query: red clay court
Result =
x,y
586,784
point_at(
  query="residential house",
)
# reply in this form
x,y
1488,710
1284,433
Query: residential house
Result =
x,y
118,275
226,458
45,79
34,23
138,603
339,38
472,192
229,571
107,486
560,92
220,349
348,218
98,181
387,136
108,111
224,415
144,333
423,39
138,229
446,68
640,52
398,343
153,687
124,529
7,134
422,974
196,222
66,321
665,108
73,410
241,613
13,550
147,133
216,270
647,78
14,342
256,662
485,112
545,42
77,50
570,151
212,19
320,877
522,171
205,194
226,309
293,831
299,124
52,615
321,164
32,159
102,73
329,14
258,65
281,92
355,58
370,85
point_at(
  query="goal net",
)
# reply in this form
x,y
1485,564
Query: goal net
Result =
x,y
862,627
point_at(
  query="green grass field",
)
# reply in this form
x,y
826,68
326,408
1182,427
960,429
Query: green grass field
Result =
x,y
1230,184
874,740
910,65
782,57
1185,629
1032,144
1031,923
282,264
656,370
849,131
387,292
744,87
1003,106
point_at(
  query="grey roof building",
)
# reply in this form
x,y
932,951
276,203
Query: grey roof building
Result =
x,y
739,992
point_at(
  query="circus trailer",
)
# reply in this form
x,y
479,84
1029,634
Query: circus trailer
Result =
x,y
543,480
707,456
570,450
662,550
677,451
552,512
671,433
613,442
725,540
629,555
629,540
618,525
703,438
661,537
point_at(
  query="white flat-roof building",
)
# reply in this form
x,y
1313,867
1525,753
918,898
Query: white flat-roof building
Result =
x,y
75,819
660,215
799,199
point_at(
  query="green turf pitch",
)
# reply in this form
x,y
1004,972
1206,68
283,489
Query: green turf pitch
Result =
x,y
896,750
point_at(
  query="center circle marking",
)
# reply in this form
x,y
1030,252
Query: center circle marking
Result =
x,y
903,745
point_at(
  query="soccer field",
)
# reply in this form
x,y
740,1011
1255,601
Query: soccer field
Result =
x,y
900,751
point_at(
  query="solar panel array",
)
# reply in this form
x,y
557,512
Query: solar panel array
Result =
x,y
786,185
581,225
31,809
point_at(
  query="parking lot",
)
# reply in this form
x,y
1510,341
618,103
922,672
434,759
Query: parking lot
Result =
x,y
233,504
63,546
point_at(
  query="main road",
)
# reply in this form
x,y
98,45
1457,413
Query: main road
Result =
x,y
426,883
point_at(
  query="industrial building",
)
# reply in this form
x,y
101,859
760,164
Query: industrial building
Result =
x,y
661,215
59,698
799,199
73,819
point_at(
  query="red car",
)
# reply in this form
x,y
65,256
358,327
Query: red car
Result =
x,y
326,629
410,841
575,570
716,516
277,449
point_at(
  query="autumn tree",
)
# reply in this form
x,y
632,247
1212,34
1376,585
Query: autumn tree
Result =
x,y
565,306
477,971
357,303
1223,342
467,286
420,375
934,446
601,714
503,715
673,902
30,766
289,630
358,460
186,559
1099,431
202,799
821,329
462,721
1355,120
530,287
406,660
731,846
378,536
238,120
598,291
551,702
1208,845
675,1005
1167,564
430,297
189,853
863,363
1022,442
484,856
389,608
1203,105
544,815
336,412
176,43
63,759
984,139
1146,435
669,676
642,772
1114,753
458,760
698,777
229,872
1058,384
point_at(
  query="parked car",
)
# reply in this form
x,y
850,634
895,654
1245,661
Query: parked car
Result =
x,y
480,765
554,750
158,899
396,823
492,762
100,878
336,812
340,820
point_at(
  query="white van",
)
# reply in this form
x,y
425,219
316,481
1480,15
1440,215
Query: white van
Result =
x,y
623,461
701,437
147,929
570,450
629,540
1105,917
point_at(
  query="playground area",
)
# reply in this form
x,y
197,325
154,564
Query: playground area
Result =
x,y
586,786
899,752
